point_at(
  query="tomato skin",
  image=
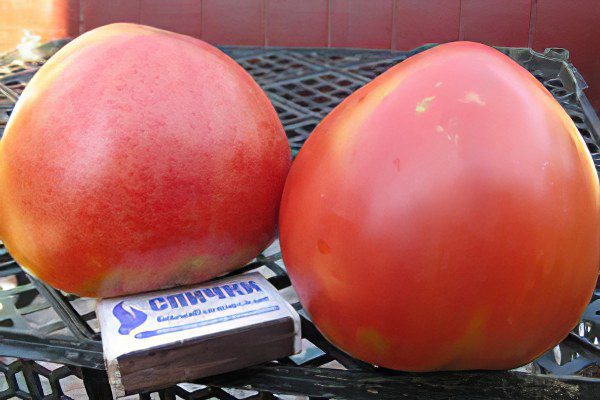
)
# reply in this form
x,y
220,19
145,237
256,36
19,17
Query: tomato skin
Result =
x,y
444,217
138,159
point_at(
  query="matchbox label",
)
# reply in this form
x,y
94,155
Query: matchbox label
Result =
x,y
151,319
190,305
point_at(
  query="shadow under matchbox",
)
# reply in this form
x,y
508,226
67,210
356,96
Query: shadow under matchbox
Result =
x,y
155,339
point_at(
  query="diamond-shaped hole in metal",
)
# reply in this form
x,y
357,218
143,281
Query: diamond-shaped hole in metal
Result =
x,y
45,383
3,382
21,382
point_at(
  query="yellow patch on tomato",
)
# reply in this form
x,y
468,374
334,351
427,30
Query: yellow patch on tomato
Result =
x,y
424,104
372,339
351,119
471,339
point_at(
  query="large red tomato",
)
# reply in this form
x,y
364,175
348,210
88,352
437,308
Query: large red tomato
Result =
x,y
444,217
138,159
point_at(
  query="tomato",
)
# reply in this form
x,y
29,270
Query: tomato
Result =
x,y
444,217
138,159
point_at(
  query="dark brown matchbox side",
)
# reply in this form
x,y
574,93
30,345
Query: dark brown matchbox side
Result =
x,y
207,355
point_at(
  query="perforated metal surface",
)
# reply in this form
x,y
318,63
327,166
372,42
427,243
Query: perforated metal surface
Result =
x,y
39,323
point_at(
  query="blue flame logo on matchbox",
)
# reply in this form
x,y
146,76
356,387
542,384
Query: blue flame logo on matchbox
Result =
x,y
129,319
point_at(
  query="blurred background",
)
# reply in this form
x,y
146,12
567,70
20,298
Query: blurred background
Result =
x,y
376,24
